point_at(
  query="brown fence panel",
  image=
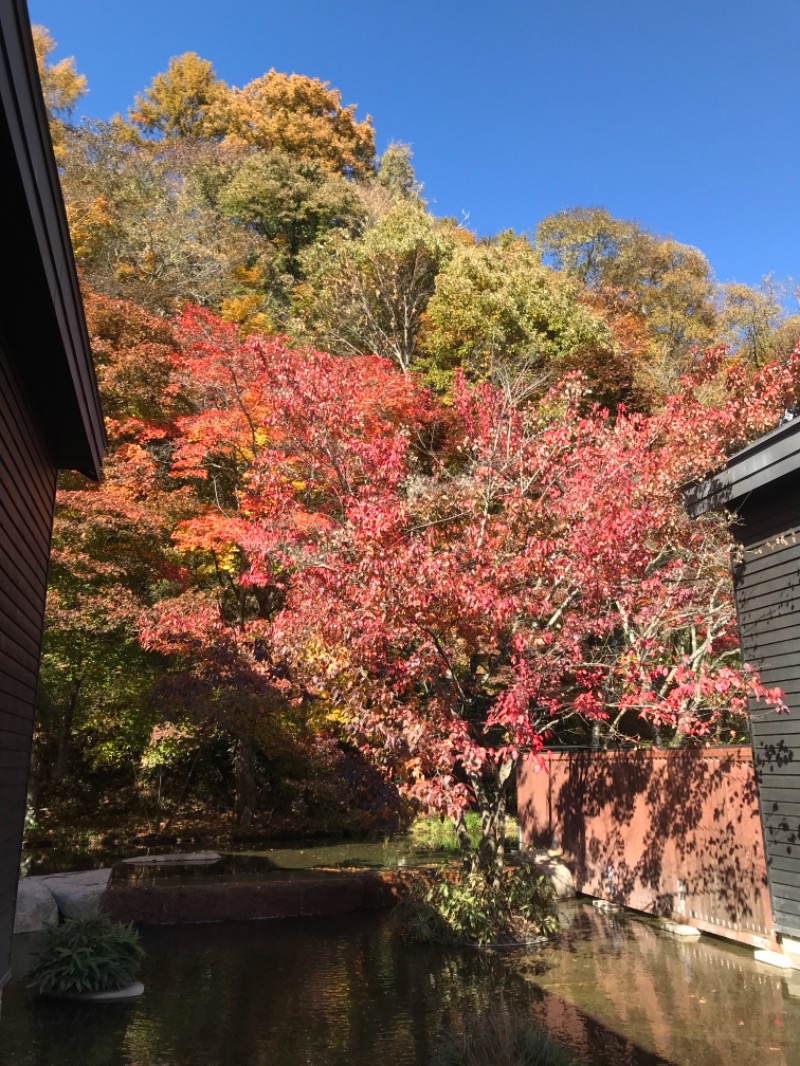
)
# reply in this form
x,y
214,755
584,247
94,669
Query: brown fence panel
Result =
x,y
671,833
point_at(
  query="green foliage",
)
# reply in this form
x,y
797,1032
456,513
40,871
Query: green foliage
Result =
x,y
499,1036
497,307
143,224
751,317
669,282
86,955
396,173
368,295
289,202
474,909
435,833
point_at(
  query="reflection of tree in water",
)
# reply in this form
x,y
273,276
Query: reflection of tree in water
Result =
x,y
324,991
344,991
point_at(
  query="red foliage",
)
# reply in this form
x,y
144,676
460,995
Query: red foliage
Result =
x,y
454,605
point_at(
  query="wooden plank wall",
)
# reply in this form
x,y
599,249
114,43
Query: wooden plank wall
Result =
x,y
673,833
27,491
767,582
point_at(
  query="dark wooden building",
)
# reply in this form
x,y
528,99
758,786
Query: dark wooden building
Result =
x,y
761,486
50,416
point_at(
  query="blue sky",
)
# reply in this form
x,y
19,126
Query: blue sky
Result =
x,y
683,114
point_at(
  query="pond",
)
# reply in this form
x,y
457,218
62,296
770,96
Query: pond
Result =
x,y
399,850
344,991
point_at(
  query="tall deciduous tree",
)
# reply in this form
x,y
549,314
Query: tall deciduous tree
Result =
x,y
496,307
369,294
143,225
303,117
111,557
670,282
186,101
542,574
271,445
62,86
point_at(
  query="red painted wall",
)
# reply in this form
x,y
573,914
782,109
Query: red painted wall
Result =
x,y
671,833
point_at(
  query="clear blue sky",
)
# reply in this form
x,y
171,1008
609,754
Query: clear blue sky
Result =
x,y
683,114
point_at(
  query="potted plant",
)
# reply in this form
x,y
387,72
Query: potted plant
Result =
x,y
88,958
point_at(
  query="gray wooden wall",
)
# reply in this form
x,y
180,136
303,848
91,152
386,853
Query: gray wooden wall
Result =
x,y
767,582
27,490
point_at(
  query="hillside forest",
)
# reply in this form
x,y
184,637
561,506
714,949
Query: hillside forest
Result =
x,y
387,506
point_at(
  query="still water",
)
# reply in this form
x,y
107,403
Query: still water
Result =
x,y
344,991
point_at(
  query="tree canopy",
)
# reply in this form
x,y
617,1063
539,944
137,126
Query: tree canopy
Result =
x,y
379,491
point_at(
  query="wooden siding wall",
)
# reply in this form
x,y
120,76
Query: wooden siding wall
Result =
x,y
672,833
27,491
767,583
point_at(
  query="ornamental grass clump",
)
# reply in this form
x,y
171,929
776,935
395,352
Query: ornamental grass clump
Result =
x,y
86,955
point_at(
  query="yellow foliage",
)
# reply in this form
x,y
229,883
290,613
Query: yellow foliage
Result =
x,y
248,313
303,117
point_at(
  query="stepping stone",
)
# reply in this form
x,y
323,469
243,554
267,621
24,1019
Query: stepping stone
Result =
x,y
189,858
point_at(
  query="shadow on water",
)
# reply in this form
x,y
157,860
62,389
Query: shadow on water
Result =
x,y
343,991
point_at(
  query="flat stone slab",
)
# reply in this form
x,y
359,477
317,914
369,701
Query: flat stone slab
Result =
x,y
77,894
129,992
606,906
774,958
36,906
189,858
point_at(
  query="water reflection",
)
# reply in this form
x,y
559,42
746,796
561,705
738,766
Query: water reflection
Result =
x,y
693,1003
342,991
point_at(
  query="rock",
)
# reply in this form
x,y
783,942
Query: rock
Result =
x,y
189,858
555,870
78,895
605,906
36,906
679,929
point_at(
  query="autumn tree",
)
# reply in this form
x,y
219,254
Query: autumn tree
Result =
x,y
269,445
303,117
542,573
369,294
110,558
496,307
290,203
751,319
62,86
669,282
186,101
143,226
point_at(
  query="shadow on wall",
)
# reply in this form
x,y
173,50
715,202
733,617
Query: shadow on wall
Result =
x,y
672,833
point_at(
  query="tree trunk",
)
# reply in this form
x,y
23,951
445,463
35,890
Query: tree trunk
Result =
x,y
64,733
246,787
492,790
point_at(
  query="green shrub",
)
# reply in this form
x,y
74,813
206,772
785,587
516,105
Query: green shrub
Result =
x,y
468,908
500,1037
437,833
86,955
